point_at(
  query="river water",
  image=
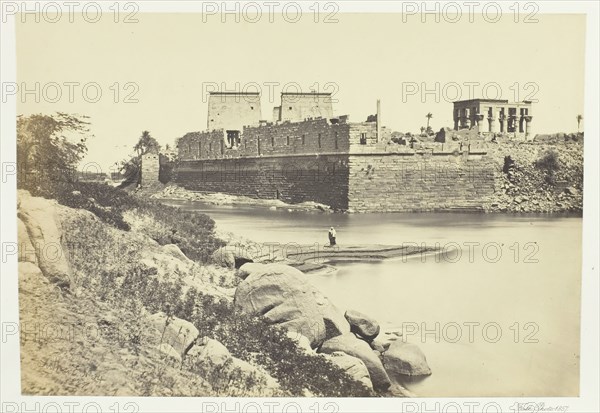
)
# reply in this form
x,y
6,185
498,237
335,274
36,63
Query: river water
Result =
x,y
497,314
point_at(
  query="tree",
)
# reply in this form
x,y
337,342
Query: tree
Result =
x,y
130,168
146,144
45,154
428,116
579,119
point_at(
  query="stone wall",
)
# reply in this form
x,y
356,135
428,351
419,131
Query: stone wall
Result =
x,y
375,182
293,179
150,170
419,182
287,138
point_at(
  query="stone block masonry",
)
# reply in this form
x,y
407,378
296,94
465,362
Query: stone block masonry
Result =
x,y
375,182
292,179
150,169
419,182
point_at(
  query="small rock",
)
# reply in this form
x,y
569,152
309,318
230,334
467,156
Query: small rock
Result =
x,y
363,325
176,332
405,359
571,190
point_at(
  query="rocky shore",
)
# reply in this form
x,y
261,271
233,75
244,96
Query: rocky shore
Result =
x,y
540,176
146,350
284,297
174,192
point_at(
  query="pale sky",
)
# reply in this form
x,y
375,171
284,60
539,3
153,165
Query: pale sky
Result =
x,y
366,56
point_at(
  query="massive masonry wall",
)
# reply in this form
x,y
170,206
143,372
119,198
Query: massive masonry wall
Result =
x,y
383,182
293,179
419,182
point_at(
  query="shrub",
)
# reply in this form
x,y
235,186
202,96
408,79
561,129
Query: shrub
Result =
x,y
548,161
191,231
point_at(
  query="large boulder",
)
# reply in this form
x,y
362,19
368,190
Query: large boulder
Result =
x,y
42,224
285,297
349,344
177,333
167,260
169,351
210,350
26,248
232,257
405,359
353,366
248,268
335,323
362,325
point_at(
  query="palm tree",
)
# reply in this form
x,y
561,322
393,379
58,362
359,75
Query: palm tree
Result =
x,y
146,144
428,116
579,119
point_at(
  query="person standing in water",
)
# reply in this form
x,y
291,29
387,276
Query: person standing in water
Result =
x,y
332,236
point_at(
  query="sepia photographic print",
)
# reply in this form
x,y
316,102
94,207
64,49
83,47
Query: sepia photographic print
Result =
x,y
299,206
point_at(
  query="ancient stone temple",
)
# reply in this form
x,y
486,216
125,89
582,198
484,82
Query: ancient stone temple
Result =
x,y
308,153
494,116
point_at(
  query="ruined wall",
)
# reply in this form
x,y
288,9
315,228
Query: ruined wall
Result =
x,y
363,134
293,179
150,170
287,138
419,182
308,137
204,145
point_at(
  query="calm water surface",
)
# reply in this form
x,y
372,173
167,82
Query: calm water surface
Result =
x,y
498,317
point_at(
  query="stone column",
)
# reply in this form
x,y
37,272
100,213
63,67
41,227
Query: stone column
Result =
x,y
481,121
467,118
527,125
515,121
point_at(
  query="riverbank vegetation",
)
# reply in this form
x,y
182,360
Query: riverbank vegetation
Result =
x,y
126,259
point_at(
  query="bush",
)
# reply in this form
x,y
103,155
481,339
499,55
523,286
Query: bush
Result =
x,y
191,231
548,161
